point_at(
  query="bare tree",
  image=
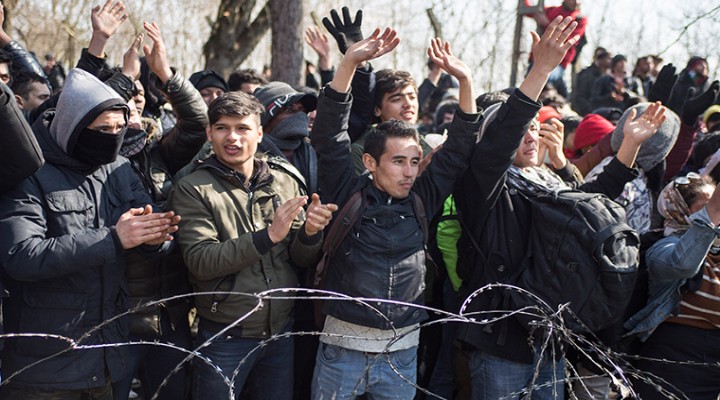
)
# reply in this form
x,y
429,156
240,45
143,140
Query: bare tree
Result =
x,y
287,41
234,34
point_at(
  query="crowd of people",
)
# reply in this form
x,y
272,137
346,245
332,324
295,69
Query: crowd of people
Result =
x,y
241,238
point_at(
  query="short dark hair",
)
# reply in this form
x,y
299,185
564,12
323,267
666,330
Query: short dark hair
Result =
x,y
248,75
376,140
237,104
23,80
390,80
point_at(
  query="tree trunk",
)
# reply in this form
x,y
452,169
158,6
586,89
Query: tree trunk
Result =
x,y
287,41
234,35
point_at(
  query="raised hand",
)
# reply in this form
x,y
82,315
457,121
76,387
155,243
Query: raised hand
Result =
x,y
550,49
284,217
661,89
346,32
441,55
318,215
320,44
375,46
108,18
552,134
696,105
156,56
131,58
638,130
141,226
317,41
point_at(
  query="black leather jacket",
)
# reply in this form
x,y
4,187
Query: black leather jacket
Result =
x,y
163,277
383,257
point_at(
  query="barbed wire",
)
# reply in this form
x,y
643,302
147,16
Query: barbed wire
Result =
x,y
548,325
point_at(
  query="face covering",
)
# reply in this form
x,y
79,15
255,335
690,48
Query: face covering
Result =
x,y
290,132
96,148
135,140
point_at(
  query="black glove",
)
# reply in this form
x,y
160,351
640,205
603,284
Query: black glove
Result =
x,y
694,106
661,89
346,32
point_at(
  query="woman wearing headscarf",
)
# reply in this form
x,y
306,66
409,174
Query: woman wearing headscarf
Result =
x,y
682,319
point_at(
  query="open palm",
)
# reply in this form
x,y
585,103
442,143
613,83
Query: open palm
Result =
x,y
643,127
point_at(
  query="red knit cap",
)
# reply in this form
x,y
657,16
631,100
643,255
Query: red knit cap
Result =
x,y
547,112
590,130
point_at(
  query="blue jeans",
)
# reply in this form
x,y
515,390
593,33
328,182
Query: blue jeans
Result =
x,y
268,370
345,374
494,378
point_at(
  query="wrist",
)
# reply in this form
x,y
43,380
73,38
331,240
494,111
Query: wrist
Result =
x,y
4,38
559,162
308,231
164,75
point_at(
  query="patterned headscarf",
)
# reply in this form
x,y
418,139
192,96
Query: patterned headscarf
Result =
x,y
673,208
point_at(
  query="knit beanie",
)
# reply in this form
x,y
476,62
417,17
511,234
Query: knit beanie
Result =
x,y
208,78
591,129
84,98
656,148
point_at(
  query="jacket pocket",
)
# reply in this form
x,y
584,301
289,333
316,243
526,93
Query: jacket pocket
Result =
x,y
54,312
70,211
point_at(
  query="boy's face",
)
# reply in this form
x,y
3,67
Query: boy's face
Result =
x,y
401,105
527,153
397,169
234,139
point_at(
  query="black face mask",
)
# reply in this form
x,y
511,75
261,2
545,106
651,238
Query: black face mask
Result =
x,y
96,148
134,141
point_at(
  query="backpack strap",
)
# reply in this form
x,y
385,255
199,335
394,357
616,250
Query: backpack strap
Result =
x,y
419,211
346,218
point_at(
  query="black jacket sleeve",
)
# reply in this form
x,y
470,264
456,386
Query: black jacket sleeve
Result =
x,y
329,137
493,155
90,63
449,163
180,143
19,151
611,181
22,60
363,104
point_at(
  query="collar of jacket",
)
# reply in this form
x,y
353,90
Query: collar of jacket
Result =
x,y
261,172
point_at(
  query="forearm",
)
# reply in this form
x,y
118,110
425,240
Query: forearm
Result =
x,y
627,153
467,97
184,140
39,258
534,83
305,250
98,43
331,142
343,76
675,258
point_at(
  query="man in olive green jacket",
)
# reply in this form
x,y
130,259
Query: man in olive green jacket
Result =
x,y
244,231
